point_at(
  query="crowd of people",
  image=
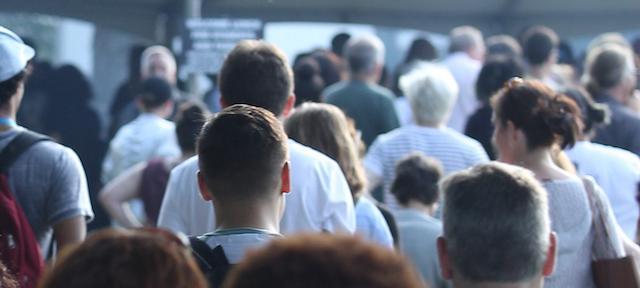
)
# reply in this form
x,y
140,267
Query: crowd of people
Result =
x,y
505,163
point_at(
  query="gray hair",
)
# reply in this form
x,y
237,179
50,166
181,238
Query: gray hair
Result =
x,y
607,65
496,223
464,38
363,54
431,91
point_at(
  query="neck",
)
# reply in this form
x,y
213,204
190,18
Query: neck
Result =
x,y
258,216
424,208
540,71
7,112
540,162
618,94
367,78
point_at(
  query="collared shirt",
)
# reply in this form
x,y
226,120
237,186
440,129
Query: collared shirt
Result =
x,y
236,242
454,151
320,199
624,129
617,171
465,71
148,136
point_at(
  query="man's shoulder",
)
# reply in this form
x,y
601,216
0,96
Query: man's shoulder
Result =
x,y
334,90
189,166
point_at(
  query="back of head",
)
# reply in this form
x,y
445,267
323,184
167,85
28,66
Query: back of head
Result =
x,y
324,127
158,61
544,116
496,71
14,59
496,224
465,39
332,68
241,153
607,66
323,260
432,91
503,45
256,73
539,44
189,119
593,114
71,86
126,259
308,80
339,42
363,54
421,49
155,92
417,179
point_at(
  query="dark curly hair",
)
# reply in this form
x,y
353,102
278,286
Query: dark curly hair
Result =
x,y
9,87
323,260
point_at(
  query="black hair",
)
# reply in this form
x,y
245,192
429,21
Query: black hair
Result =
x,y
417,179
189,120
338,42
593,114
421,49
155,92
9,87
308,81
538,44
497,70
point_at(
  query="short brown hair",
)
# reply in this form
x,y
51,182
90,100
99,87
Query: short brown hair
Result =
x,y
323,260
125,258
256,73
242,150
417,179
325,128
544,116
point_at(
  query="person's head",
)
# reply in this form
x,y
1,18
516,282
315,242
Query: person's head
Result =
x,y
325,128
467,39
421,49
416,180
14,60
158,61
76,89
338,42
431,91
496,228
242,156
610,69
503,45
540,45
332,68
256,73
156,96
365,57
593,114
609,38
323,260
308,81
127,259
496,71
190,117
529,116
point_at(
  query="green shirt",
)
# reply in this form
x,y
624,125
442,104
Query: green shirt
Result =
x,y
369,105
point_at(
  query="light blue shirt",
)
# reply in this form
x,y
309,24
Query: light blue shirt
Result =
x,y
371,225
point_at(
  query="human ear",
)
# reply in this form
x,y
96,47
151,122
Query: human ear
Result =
x,y
550,262
286,178
204,191
443,256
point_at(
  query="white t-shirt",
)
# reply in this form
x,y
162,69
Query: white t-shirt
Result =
x,y
617,171
454,151
145,137
320,199
465,71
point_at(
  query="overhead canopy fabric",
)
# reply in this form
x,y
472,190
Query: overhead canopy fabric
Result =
x,y
568,17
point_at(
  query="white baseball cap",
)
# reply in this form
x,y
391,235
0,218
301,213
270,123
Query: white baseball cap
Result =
x,y
14,54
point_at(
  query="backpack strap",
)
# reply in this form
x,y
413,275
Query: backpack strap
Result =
x,y
23,141
213,262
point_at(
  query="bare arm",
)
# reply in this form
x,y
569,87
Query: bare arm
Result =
x,y
70,231
115,195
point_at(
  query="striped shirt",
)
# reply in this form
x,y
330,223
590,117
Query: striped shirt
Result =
x,y
454,150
